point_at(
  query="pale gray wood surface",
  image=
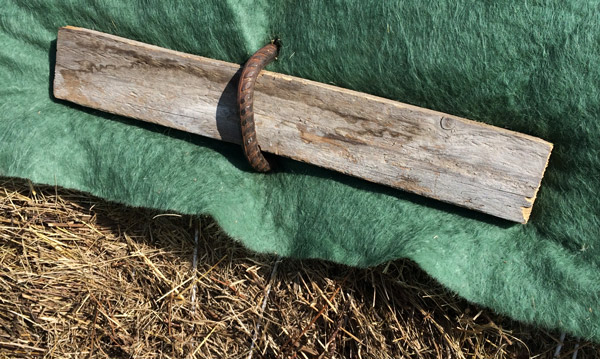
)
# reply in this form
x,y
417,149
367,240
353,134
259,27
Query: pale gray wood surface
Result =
x,y
452,159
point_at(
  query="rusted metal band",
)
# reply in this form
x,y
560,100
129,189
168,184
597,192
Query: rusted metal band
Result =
x,y
245,99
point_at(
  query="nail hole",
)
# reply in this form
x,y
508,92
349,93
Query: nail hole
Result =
x,y
447,123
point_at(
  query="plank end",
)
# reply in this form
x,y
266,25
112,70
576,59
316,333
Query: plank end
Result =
x,y
58,82
526,211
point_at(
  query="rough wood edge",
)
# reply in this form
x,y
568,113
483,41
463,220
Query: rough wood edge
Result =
x,y
526,211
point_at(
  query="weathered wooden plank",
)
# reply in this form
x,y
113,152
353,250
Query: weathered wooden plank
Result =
x,y
470,164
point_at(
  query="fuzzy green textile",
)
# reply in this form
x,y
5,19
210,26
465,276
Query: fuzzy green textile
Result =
x,y
530,66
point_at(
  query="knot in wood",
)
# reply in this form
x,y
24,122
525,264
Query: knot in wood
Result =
x,y
447,123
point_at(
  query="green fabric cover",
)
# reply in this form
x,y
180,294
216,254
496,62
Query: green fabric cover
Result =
x,y
530,66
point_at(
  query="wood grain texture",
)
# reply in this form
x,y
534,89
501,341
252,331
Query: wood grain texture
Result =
x,y
452,159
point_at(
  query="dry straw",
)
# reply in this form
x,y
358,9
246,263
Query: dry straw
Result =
x,y
83,278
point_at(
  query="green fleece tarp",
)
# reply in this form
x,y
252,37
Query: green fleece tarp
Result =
x,y
529,66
